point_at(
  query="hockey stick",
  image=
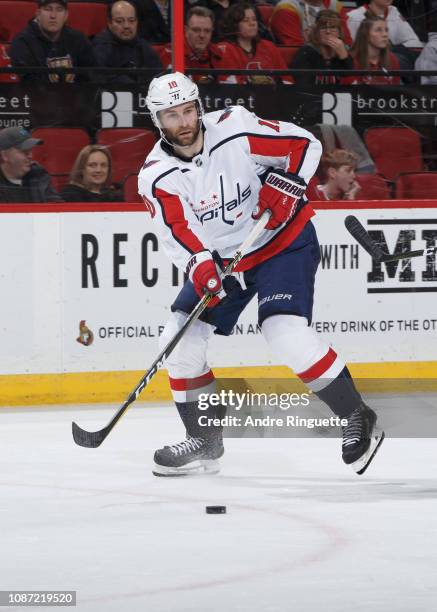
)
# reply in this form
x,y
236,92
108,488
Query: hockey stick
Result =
x,y
355,228
93,439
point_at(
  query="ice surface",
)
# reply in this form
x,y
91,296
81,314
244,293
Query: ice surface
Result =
x,y
302,532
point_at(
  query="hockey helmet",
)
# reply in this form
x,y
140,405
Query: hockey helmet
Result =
x,y
171,90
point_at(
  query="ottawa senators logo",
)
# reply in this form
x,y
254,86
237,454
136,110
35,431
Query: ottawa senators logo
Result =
x,y
86,336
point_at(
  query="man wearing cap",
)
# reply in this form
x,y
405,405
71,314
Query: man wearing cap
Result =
x,y
47,41
21,179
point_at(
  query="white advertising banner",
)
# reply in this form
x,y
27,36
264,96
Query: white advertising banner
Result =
x,y
85,292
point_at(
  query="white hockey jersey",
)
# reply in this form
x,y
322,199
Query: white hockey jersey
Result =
x,y
207,202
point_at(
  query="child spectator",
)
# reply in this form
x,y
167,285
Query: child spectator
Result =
x,y
399,30
292,20
200,52
21,179
91,176
244,49
337,175
47,41
371,51
119,46
324,50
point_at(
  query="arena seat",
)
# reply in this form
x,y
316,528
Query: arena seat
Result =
x,y
130,189
265,10
129,148
5,62
373,187
60,148
288,53
88,17
394,150
416,185
14,16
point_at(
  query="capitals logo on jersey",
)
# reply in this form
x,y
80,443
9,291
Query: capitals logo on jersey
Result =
x,y
219,207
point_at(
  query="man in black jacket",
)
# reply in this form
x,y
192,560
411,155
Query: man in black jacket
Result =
x,y
47,41
119,46
21,179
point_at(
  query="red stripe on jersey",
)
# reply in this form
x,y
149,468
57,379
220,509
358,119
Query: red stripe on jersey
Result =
x,y
280,241
174,218
319,368
281,147
185,384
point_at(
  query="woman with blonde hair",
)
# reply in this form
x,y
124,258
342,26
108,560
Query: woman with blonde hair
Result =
x,y
325,50
371,51
91,176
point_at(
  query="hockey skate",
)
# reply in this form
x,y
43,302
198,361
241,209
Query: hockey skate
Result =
x,y
361,439
192,456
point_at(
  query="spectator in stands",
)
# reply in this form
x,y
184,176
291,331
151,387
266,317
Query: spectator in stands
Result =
x,y
47,41
371,51
243,48
325,50
119,46
400,31
91,177
21,179
154,20
292,20
219,7
337,175
200,52
427,60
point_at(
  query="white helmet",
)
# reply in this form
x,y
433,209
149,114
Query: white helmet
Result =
x,y
171,90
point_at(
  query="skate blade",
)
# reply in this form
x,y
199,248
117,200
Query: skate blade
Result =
x,y
196,468
361,465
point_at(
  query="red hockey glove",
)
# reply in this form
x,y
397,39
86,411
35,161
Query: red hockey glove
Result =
x,y
204,273
280,194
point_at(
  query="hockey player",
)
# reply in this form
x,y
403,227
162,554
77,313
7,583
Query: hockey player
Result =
x,y
205,183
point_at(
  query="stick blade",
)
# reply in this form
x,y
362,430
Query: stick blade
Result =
x,y
88,439
356,229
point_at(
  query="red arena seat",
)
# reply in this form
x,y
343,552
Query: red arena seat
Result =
x,y
130,189
373,187
416,185
5,62
394,150
129,147
14,16
88,17
60,148
265,10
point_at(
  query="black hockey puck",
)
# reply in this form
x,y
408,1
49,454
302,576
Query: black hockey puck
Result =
x,y
215,509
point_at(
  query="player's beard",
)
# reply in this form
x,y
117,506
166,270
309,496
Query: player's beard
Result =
x,y
187,140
